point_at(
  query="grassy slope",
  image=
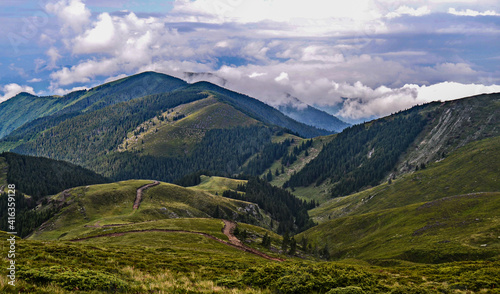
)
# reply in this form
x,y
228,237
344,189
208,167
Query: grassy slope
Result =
x,y
449,229
308,193
173,138
135,263
217,185
446,212
188,263
106,204
473,168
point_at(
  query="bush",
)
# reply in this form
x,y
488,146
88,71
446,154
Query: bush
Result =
x,y
74,279
347,290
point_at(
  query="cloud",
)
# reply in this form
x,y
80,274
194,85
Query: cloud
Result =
x,y
84,72
405,10
470,12
54,55
34,80
98,39
62,92
72,13
362,50
313,17
384,101
11,90
282,78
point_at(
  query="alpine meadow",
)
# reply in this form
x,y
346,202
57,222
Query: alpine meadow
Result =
x,y
262,146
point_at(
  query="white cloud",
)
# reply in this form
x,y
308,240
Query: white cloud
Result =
x,y
317,51
98,39
470,12
72,13
282,78
34,80
384,101
62,92
313,17
405,10
54,55
11,90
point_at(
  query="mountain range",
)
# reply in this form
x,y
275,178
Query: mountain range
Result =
x,y
149,183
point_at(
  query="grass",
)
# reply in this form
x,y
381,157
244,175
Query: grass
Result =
x,y
174,138
217,185
170,263
307,193
86,208
472,168
451,229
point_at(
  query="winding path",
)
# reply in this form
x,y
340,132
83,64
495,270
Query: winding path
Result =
x,y
227,230
138,197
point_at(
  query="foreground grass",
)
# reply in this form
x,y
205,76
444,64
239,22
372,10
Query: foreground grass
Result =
x,y
159,263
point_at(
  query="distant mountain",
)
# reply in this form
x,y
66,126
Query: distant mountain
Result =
x,y
25,107
309,115
165,135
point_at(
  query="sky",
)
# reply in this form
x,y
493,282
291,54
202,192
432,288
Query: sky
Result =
x,y
357,59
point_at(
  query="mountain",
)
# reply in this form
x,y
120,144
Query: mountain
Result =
x,y
309,115
418,212
364,155
444,212
25,107
186,128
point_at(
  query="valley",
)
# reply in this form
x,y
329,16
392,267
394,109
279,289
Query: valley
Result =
x,y
149,184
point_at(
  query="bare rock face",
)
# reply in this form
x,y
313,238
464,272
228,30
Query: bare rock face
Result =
x,y
452,125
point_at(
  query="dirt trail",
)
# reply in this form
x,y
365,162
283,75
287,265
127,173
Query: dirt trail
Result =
x,y
227,230
138,197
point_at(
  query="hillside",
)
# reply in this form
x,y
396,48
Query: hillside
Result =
x,y
177,131
25,107
456,228
445,212
365,155
471,169
83,209
35,178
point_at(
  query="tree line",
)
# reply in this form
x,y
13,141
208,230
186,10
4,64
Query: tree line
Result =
x,y
361,155
284,207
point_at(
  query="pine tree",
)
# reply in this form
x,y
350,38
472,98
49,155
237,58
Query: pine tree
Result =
x,y
269,176
285,242
293,246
